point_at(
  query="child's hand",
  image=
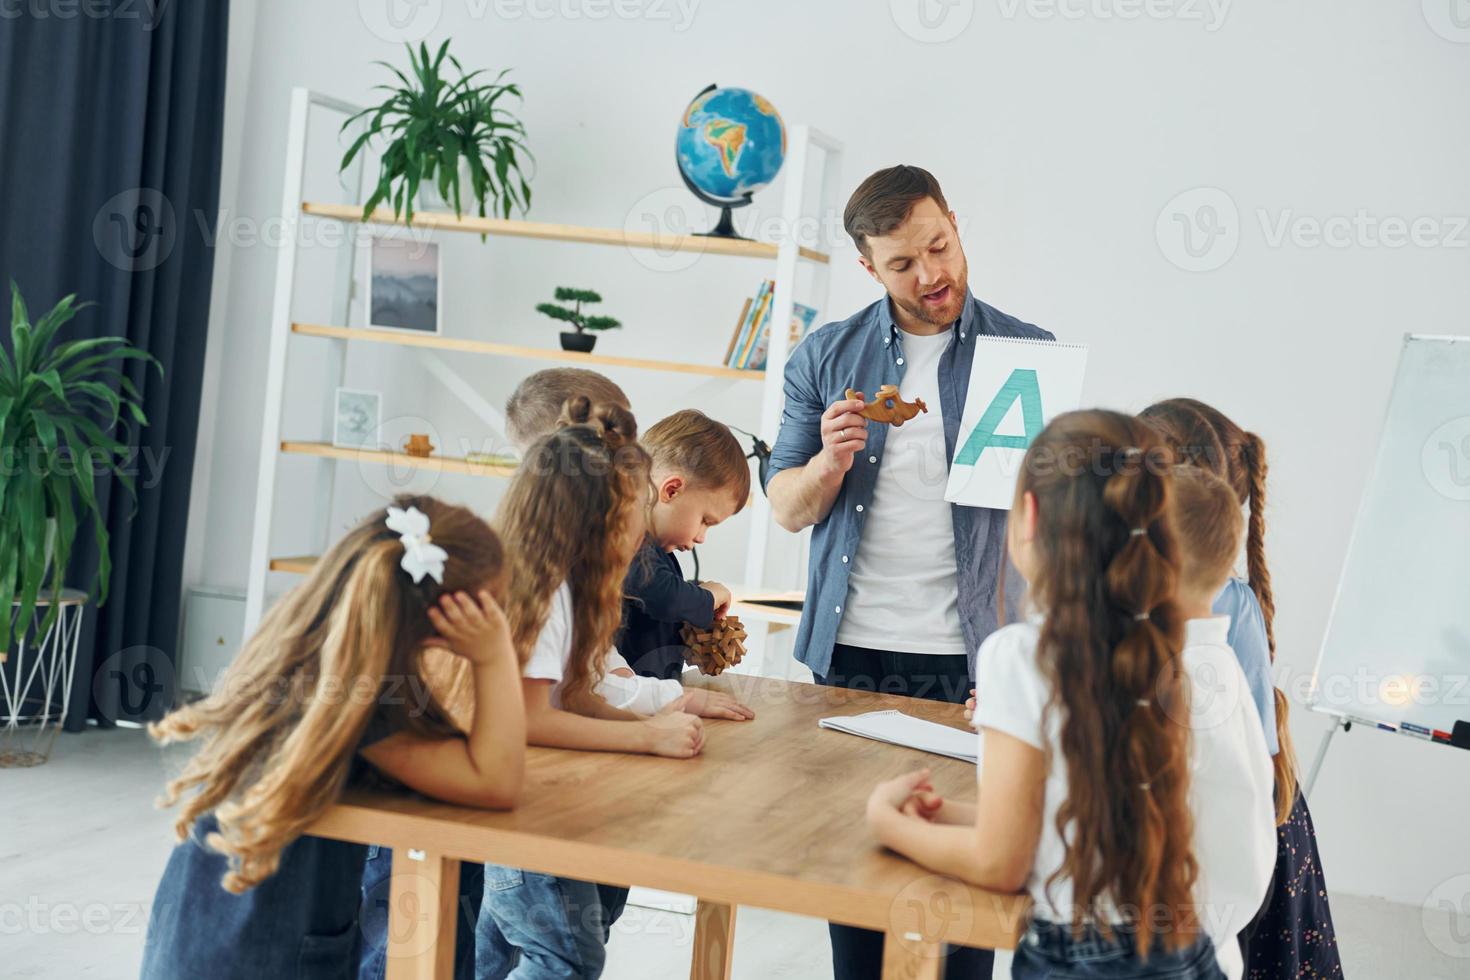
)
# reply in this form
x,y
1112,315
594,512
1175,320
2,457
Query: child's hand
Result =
x,y
895,793
924,804
722,597
473,629
710,704
675,735
970,703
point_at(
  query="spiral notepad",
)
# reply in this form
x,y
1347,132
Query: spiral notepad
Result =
x,y
1017,385
897,728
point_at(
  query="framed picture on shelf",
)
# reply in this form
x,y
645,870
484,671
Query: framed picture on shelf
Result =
x,y
355,419
404,287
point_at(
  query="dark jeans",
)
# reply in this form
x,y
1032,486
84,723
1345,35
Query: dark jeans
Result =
x,y
1048,952
857,954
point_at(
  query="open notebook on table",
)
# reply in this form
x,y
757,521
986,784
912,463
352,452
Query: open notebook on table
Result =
x,y
897,728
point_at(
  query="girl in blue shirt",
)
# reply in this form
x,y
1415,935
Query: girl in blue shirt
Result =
x,y
1294,935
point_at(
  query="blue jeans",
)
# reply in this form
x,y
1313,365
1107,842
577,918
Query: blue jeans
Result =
x,y
377,872
1048,952
537,927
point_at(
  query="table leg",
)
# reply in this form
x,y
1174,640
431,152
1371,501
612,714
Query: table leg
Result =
x,y
907,956
422,907
714,941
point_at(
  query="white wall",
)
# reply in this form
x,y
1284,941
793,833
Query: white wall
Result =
x,y
1062,135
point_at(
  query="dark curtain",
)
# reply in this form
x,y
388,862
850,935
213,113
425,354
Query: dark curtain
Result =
x,y
110,126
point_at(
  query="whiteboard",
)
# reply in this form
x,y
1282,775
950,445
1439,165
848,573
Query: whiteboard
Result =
x,y
1397,646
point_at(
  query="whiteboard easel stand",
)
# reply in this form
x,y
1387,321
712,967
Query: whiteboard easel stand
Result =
x,y
1337,723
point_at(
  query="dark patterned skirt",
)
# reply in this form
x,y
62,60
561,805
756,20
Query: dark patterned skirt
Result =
x,y
1294,937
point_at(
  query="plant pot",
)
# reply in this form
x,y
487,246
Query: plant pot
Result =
x,y
583,342
430,200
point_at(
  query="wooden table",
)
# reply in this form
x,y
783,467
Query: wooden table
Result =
x,y
771,815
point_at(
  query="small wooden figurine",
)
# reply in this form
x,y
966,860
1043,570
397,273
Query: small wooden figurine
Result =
x,y
714,649
886,406
418,444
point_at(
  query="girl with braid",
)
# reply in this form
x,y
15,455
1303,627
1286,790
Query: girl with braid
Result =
x,y
1293,936
1134,811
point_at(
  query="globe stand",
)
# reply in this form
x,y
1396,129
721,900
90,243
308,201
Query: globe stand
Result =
x,y
725,227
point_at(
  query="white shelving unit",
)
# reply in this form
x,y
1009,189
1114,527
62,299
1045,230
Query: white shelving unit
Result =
x,y
806,148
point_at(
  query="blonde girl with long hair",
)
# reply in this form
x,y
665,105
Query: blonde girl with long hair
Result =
x,y
1294,935
329,693
575,514
1088,734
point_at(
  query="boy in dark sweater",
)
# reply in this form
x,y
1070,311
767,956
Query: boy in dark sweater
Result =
x,y
701,478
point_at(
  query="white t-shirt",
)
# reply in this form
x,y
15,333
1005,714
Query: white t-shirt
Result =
x,y
902,593
1230,775
553,648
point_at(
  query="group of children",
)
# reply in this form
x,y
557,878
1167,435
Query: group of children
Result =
x,y
1112,788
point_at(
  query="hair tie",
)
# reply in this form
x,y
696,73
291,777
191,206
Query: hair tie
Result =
x,y
1138,532
420,557
1140,616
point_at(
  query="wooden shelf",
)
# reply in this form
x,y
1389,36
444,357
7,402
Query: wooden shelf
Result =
x,y
778,618
408,338
444,221
443,464
300,565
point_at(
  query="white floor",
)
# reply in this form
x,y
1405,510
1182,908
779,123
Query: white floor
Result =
x,y
81,848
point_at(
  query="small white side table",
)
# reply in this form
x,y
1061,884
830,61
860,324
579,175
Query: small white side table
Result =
x,y
35,680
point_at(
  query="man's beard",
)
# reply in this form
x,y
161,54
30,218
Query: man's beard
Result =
x,y
950,312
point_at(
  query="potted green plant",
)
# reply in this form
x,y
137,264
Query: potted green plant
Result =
x,y
438,130
58,405
578,340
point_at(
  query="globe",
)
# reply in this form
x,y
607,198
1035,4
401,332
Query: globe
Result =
x,y
731,143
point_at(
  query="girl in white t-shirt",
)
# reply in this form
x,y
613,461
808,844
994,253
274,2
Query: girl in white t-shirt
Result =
x,y
1088,735
573,517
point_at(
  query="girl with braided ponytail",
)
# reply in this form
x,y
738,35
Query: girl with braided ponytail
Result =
x,y
1091,738
327,693
1294,935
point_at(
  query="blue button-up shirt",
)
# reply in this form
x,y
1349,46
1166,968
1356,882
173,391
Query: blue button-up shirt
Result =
x,y
865,352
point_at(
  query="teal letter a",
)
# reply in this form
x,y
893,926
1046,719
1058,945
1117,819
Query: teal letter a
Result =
x,y
1021,384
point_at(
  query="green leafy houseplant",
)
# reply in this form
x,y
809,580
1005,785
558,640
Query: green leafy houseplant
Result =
x,y
58,405
430,123
575,316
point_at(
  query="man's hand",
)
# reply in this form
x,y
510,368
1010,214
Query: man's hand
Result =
x,y
844,433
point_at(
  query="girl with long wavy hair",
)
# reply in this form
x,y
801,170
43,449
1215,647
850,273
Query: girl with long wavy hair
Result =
x,y
328,693
1088,732
1294,935
575,515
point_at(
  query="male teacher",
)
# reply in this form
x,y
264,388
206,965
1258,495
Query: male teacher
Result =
x,y
902,584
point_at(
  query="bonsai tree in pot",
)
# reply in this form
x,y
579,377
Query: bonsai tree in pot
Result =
x,y
434,128
578,340
58,405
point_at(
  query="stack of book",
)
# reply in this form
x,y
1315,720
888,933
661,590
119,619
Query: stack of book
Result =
x,y
751,340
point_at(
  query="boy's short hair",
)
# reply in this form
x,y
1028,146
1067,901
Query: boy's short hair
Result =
x,y
1208,524
532,409
703,451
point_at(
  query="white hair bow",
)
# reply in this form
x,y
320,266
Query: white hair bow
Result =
x,y
420,557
